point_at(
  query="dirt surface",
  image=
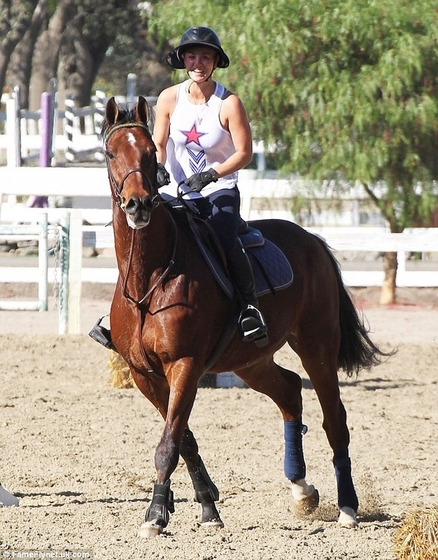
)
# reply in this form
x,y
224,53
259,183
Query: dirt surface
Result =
x,y
79,454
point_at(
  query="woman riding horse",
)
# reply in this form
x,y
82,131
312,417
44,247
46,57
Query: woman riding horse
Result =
x,y
202,132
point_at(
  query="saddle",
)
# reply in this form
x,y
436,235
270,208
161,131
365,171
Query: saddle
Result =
x,y
272,271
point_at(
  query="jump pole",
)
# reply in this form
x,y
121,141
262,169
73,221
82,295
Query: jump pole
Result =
x,y
46,129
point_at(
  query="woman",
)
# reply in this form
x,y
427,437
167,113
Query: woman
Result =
x,y
202,135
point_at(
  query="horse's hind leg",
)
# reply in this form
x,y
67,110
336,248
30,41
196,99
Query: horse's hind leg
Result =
x,y
323,374
206,492
284,388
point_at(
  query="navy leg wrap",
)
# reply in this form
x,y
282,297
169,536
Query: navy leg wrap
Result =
x,y
346,493
294,464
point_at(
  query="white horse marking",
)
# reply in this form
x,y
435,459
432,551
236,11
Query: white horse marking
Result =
x,y
131,139
347,517
301,490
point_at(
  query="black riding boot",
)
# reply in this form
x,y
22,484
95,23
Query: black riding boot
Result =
x,y
251,322
102,335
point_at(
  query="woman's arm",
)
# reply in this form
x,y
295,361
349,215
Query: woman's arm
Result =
x,y
165,106
234,118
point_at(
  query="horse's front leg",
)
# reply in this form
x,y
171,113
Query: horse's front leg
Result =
x,y
206,492
182,395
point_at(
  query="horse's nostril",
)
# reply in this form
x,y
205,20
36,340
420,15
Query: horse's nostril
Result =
x,y
136,205
147,203
132,205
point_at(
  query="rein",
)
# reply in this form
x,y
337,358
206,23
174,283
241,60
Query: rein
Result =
x,y
156,201
159,279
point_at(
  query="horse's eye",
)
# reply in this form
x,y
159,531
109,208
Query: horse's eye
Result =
x,y
109,154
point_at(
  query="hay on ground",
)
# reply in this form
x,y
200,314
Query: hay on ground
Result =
x,y
120,374
417,537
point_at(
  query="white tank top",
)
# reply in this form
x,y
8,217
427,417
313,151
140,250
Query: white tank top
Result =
x,y
197,139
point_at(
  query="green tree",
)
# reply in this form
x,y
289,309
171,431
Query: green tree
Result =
x,y
347,90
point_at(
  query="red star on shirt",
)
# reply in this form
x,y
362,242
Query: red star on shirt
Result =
x,y
193,135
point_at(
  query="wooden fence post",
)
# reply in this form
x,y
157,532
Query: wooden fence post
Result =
x,y
74,273
13,129
64,245
43,263
71,266
131,89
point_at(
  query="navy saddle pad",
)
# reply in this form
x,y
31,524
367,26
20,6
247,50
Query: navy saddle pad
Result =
x,y
272,270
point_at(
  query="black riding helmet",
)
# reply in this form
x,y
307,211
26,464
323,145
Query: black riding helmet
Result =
x,y
197,36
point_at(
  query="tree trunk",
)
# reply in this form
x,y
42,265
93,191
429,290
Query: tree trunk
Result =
x,y
81,75
388,290
47,48
81,58
11,32
20,66
4,61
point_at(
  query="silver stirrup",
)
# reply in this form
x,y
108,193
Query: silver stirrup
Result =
x,y
253,326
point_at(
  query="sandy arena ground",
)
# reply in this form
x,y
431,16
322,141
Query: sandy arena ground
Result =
x,y
79,454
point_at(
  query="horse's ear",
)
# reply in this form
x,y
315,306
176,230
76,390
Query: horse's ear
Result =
x,y
111,112
142,111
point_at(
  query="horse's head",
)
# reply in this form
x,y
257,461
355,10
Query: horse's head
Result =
x,y
131,161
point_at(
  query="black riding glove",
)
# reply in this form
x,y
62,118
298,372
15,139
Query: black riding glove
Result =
x,y
163,177
200,180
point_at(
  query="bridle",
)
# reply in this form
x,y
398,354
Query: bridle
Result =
x,y
155,200
117,188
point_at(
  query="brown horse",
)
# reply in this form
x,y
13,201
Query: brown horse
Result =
x,y
168,317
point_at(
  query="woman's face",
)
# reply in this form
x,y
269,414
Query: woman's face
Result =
x,y
200,62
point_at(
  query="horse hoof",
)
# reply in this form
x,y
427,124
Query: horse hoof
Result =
x,y
7,499
347,517
214,523
149,530
308,504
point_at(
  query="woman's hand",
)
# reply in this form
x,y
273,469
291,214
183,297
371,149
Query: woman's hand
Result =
x,y
200,180
163,177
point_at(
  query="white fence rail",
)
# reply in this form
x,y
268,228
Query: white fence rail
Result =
x,y
23,139
38,232
88,188
85,188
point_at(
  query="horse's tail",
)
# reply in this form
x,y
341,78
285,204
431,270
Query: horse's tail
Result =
x,y
357,351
